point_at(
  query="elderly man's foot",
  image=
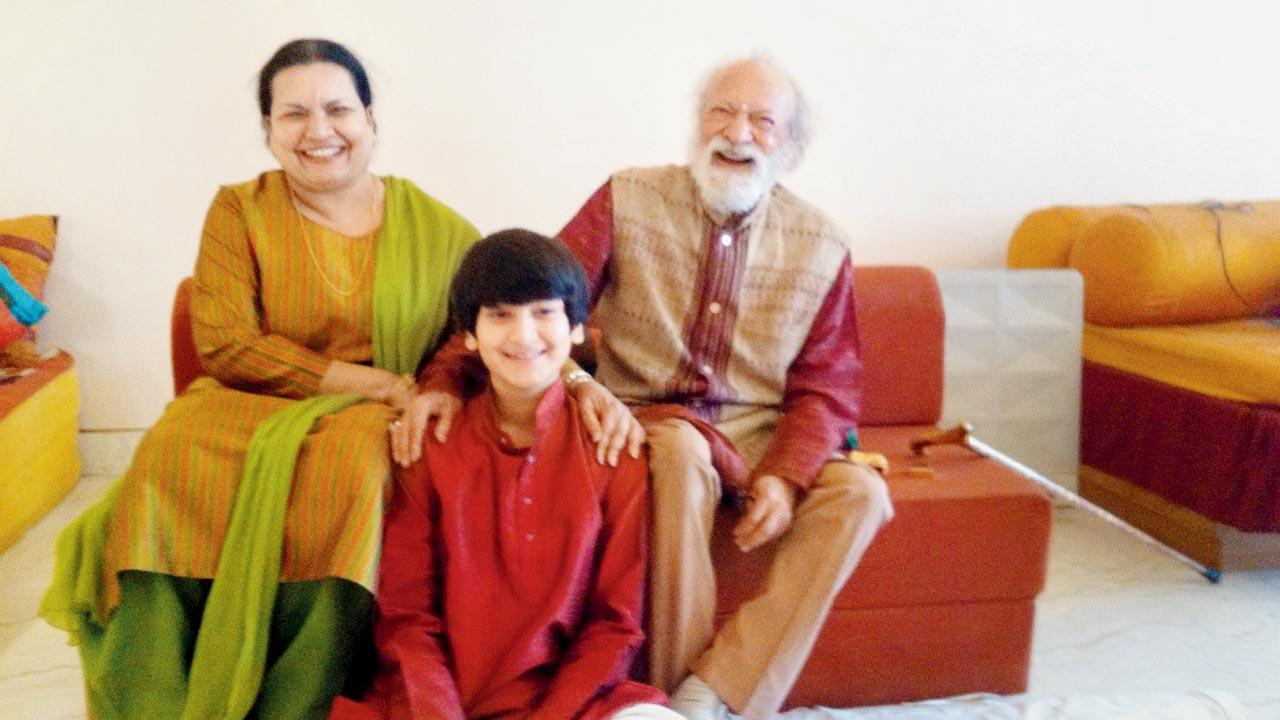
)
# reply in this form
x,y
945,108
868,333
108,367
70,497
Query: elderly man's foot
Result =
x,y
695,700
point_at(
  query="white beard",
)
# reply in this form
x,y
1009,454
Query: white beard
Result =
x,y
731,191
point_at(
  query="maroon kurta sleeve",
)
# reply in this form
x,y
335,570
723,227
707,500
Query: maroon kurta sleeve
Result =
x,y
601,653
589,235
418,682
821,400
453,369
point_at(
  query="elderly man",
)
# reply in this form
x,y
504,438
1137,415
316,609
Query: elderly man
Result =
x,y
719,290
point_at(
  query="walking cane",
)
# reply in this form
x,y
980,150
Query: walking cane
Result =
x,y
962,435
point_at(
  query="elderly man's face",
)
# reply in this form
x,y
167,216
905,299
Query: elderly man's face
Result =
x,y
748,103
743,136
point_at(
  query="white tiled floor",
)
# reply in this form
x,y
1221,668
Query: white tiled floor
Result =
x,y
39,672
1116,618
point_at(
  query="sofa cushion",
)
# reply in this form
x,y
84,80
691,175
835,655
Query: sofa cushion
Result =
x,y
26,249
973,531
1232,359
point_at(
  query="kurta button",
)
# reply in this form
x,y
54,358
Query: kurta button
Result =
x,y
529,458
706,369
726,239
714,308
528,501
529,537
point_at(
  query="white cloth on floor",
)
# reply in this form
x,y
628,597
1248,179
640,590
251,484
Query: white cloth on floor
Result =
x,y
645,711
1196,705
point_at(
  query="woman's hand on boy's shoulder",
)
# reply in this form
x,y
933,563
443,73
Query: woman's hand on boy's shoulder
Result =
x,y
609,421
409,430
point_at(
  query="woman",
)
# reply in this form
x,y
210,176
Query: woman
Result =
x,y
230,571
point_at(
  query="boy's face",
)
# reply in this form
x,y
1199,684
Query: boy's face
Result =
x,y
523,345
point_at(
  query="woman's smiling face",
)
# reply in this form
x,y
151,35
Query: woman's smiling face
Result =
x,y
318,130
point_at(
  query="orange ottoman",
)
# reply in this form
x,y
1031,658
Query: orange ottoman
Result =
x,y
943,601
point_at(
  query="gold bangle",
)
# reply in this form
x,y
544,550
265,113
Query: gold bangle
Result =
x,y
405,384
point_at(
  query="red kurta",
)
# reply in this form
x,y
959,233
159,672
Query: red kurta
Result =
x,y
511,579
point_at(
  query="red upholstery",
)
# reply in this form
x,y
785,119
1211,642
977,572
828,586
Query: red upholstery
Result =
x,y
182,345
943,601
900,328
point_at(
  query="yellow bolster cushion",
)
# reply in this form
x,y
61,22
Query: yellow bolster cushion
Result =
x,y
1044,238
1169,264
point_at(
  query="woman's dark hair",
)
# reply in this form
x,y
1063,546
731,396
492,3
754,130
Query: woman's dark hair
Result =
x,y
305,52
515,267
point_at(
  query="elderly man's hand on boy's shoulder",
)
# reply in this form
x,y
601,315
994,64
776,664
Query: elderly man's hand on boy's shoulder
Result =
x,y
408,432
610,422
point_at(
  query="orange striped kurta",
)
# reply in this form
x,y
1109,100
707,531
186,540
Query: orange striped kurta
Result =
x,y
269,314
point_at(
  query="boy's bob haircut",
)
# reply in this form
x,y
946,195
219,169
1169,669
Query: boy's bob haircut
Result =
x,y
514,267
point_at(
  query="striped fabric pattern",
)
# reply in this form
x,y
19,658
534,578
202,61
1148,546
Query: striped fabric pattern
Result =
x,y
264,318
266,324
176,500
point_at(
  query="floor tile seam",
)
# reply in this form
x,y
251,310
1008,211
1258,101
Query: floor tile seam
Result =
x,y
39,671
1120,631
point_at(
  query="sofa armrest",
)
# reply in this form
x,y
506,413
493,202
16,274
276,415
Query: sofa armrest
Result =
x,y
182,344
900,333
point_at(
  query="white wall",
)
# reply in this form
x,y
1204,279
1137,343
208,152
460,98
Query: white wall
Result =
x,y
940,124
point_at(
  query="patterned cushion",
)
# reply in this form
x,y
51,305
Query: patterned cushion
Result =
x,y
26,249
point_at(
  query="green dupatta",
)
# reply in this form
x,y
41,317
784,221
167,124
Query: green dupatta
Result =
x,y
419,247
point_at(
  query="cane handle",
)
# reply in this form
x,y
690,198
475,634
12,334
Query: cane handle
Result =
x,y
958,435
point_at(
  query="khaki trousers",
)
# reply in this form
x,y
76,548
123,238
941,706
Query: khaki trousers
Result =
x,y
753,661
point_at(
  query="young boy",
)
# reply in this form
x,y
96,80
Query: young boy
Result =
x,y
512,571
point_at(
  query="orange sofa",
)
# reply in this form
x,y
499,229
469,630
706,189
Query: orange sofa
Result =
x,y
943,601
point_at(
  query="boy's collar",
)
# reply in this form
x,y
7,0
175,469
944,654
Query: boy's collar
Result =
x,y
544,415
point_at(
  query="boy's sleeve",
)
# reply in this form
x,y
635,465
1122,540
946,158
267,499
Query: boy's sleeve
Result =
x,y
601,654
415,674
